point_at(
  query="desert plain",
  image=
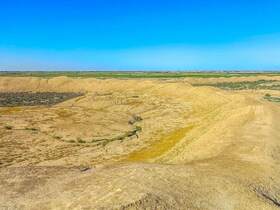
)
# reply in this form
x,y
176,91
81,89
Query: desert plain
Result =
x,y
196,143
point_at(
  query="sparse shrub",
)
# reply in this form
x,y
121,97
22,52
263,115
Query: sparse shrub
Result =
x,y
57,137
81,141
267,95
8,127
120,138
130,133
135,118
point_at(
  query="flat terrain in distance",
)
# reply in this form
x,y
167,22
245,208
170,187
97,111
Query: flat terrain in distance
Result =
x,y
123,140
139,74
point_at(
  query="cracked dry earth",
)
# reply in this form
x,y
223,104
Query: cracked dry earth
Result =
x,y
139,144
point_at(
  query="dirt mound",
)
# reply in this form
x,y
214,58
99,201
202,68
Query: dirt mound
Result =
x,y
145,144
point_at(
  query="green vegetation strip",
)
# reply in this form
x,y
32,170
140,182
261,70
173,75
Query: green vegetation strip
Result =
x,y
139,74
246,85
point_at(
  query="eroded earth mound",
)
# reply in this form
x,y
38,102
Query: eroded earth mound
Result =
x,y
139,144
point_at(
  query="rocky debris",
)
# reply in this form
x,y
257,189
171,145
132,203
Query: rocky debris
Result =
x,y
11,99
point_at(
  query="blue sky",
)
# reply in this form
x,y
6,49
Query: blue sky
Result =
x,y
140,35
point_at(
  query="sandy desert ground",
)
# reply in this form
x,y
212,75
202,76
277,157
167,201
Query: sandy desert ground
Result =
x,y
141,144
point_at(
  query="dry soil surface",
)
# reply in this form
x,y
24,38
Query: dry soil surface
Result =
x,y
139,144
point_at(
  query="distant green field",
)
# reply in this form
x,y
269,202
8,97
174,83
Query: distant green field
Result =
x,y
112,74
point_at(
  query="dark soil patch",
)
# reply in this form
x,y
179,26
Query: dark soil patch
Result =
x,y
12,99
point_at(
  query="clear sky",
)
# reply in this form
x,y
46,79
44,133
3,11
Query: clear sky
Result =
x,y
140,35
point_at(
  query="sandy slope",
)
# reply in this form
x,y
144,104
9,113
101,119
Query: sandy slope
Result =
x,y
199,148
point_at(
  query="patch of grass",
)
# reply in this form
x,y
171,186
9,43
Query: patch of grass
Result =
x,y
245,85
139,74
